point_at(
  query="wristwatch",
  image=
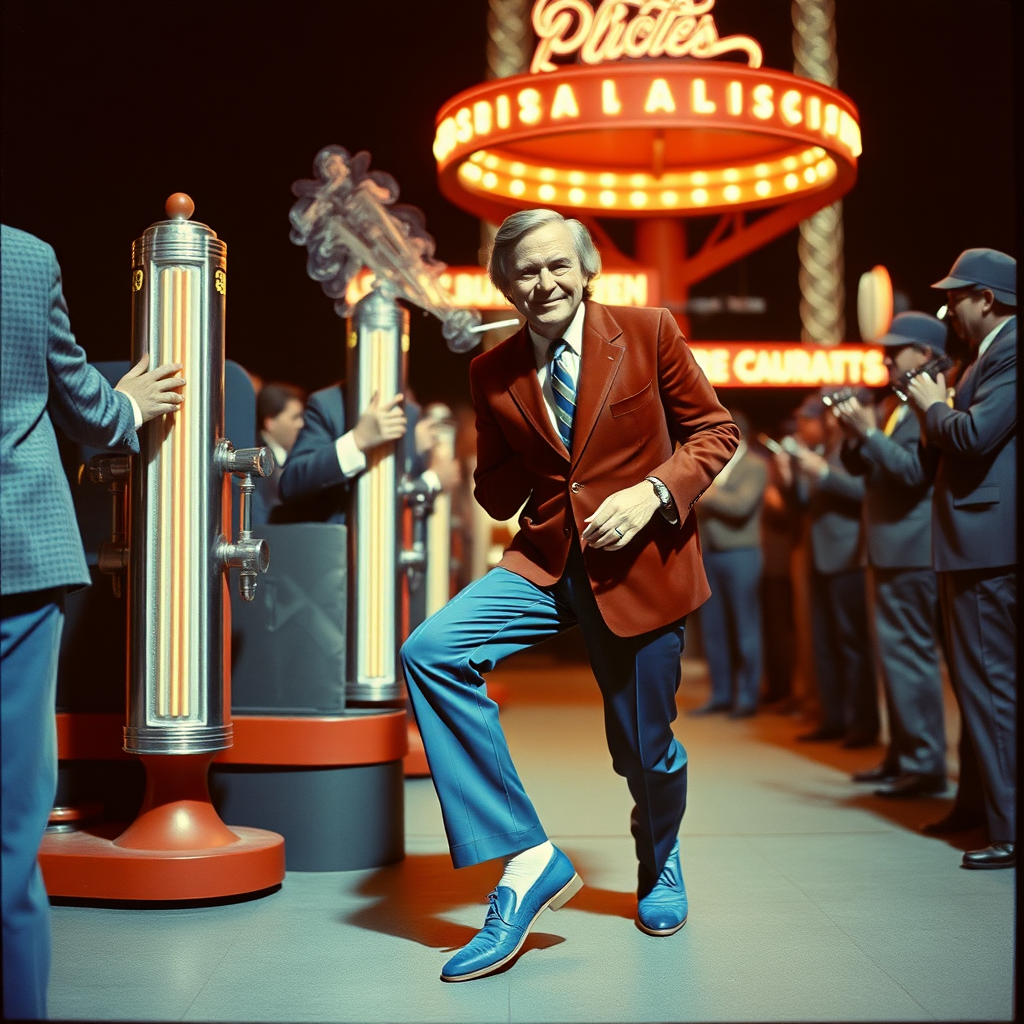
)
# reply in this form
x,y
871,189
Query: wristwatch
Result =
x,y
668,504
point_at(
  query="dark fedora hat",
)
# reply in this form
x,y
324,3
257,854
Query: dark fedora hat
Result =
x,y
915,329
984,268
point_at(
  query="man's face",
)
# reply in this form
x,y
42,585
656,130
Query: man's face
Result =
x,y
966,311
810,430
285,426
900,359
547,282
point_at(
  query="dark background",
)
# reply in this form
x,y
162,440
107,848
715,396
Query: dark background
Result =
x,y
110,107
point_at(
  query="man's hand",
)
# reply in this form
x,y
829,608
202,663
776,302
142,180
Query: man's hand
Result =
x,y
621,516
378,424
426,435
154,391
784,461
926,392
856,419
811,463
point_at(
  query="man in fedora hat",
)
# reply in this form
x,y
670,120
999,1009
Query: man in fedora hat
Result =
x,y
971,449
897,519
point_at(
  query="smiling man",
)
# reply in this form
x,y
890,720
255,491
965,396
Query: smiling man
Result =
x,y
596,425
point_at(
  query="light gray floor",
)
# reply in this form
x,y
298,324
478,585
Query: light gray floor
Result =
x,y
810,900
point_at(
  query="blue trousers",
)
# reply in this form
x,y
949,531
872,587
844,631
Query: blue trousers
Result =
x,y
730,626
486,810
29,638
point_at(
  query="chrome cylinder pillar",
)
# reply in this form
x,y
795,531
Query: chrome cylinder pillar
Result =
x,y
178,651
378,343
439,525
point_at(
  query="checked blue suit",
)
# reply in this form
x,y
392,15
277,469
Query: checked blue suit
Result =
x,y
45,380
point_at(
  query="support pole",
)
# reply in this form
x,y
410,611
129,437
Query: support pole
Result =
x,y
822,289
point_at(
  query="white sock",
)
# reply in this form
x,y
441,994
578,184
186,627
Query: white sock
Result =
x,y
523,869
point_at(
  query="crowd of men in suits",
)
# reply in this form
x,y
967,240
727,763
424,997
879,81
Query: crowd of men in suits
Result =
x,y
909,513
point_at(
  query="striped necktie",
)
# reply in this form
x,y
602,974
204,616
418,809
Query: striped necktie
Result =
x,y
563,391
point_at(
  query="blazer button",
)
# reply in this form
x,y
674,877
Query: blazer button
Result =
x,y
566,531
574,486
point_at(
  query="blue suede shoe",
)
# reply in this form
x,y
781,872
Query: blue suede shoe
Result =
x,y
506,925
663,910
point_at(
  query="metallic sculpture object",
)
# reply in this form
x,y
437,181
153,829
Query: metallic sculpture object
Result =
x,y
347,219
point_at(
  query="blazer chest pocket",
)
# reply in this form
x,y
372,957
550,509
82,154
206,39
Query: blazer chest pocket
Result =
x,y
634,402
979,496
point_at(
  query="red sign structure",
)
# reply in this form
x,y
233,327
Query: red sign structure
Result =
x,y
631,129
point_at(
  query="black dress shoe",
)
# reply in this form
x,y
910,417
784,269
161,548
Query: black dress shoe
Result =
x,y
708,709
911,784
998,855
820,735
859,740
880,773
955,821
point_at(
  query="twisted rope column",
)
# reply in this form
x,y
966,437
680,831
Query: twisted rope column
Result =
x,y
822,291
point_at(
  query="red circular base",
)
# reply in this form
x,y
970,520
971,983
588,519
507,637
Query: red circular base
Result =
x,y
87,865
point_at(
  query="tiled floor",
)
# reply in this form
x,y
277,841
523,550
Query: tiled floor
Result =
x,y
810,900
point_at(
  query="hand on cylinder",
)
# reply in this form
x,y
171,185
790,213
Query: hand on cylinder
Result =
x,y
378,424
811,463
154,391
620,517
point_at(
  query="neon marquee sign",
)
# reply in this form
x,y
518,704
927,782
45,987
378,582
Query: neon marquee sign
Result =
x,y
616,135
658,28
790,364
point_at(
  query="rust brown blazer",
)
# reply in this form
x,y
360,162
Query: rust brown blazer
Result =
x,y
643,407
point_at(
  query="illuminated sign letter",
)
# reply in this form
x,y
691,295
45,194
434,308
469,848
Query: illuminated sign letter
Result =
x,y
552,21
763,106
463,124
529,106
814,113
504,111
789,107
734,98
659,97
609,97
564,103
699,98
831,119
482,117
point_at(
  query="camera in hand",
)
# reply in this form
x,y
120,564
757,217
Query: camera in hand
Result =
x,y
937,364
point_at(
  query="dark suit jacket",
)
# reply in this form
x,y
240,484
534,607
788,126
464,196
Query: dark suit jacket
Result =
x,y
898,498
311,486
46,380
834,509
643,408
972,450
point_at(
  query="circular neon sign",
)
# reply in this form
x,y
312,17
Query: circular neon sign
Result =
x,y
646,138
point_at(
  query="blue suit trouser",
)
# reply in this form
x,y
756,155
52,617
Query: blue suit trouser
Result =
x,y
730,626
486,810
30,631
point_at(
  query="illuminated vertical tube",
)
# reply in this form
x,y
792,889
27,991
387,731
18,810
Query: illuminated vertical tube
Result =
x,y
378,340
176,607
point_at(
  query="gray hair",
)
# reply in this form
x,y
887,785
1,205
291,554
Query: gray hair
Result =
x,y
516,226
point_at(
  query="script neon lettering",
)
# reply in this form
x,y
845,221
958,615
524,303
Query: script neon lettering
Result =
x,y
789,107
610,103
659,97
564,103
677,28
699,98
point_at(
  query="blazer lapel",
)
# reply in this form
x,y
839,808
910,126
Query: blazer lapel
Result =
x,y
599,362
525,390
